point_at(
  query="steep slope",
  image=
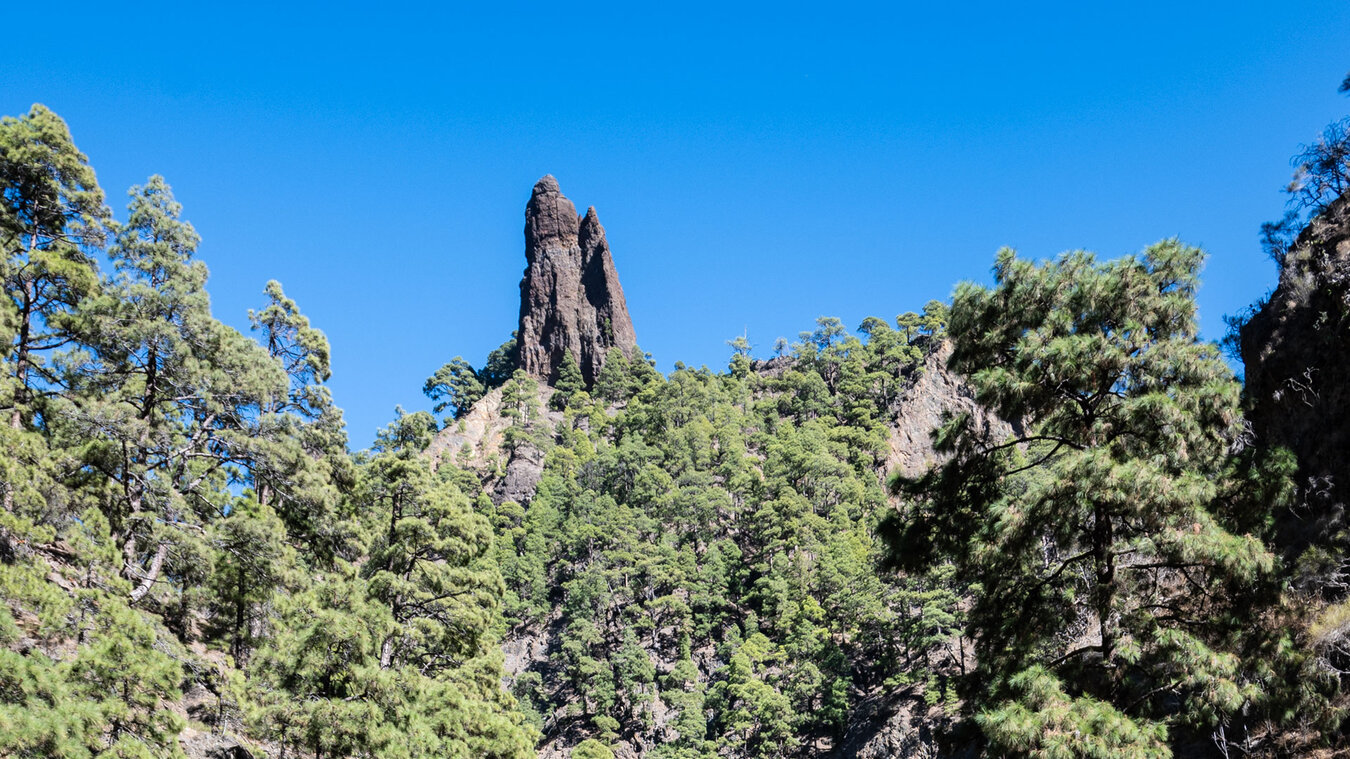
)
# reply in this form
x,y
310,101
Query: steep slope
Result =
x,y
935,395
701,544
478,443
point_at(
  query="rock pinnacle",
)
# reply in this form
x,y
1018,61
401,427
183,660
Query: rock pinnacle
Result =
x,y
570,296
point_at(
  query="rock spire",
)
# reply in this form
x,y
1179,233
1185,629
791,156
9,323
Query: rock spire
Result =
x,y
570,297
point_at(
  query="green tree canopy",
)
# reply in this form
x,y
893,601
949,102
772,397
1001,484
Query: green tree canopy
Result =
x,y
52,215
1100,513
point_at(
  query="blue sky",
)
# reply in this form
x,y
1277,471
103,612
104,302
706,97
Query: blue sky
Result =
x,y
755,165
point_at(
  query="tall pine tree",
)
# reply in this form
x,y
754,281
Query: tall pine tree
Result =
x,y
1108,584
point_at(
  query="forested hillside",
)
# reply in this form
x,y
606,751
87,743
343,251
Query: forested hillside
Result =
x,y
1040,520
697,570
192,560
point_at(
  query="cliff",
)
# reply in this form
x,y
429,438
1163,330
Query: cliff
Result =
x,y
1296,349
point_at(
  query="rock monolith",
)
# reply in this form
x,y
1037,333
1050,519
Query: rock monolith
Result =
x,y
570,296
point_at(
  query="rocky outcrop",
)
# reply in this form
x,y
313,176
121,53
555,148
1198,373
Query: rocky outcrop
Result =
x,y
570,296
1296,349
197,744
902,723
477,442
934,395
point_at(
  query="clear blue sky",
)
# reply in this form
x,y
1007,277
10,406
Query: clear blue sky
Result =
x,y
756,166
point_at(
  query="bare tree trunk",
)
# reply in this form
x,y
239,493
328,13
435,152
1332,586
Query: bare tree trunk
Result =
x,y
129,562
151,574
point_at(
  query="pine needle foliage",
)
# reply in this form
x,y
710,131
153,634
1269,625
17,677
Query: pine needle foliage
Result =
x,y
1108,582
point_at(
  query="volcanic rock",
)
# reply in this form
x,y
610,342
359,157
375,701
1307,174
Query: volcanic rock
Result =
x,y
570,296
935,395
1296,350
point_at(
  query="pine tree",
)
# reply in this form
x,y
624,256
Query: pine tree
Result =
x,y
251,563
396,659
740,356
520,404
93,677
500,364
428,561
455,386
297,459
318,684
170,394
592,749
612,382
131,681
1100,515
52,216
570,383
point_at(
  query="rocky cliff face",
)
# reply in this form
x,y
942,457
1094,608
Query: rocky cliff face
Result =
x,y
1296,348
935,395
901,723
478,443
570,296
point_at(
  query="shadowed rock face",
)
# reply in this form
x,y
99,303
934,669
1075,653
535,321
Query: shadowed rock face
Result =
x,y
1296,351
570,296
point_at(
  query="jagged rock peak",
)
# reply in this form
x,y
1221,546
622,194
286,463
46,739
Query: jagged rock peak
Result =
x,y
570,296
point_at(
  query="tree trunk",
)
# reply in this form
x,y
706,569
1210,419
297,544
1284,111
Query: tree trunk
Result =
x,y
151,574
1105,591
21,360
239,606
129,563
